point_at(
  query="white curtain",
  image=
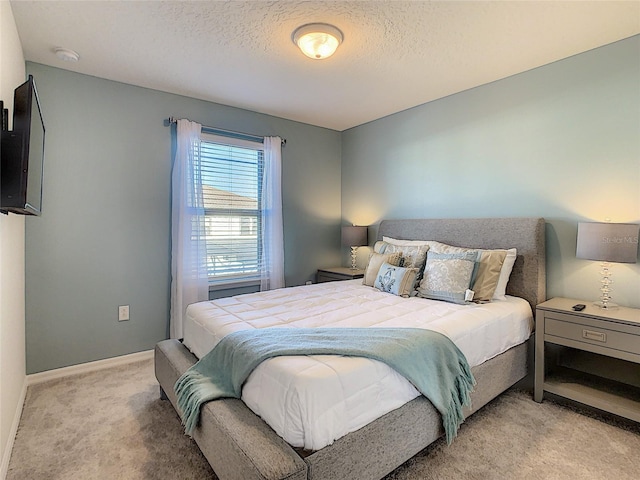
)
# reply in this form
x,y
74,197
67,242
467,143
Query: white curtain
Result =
x,y
189,281
272,275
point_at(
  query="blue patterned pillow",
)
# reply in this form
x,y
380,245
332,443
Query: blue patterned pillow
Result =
x,y
396,280
447,276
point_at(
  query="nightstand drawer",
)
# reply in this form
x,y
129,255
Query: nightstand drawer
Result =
x,y
595,332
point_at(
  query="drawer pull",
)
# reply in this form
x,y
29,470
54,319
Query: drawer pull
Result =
x,y
591,335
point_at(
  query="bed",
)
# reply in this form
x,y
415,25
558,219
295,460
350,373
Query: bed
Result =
x,y
240,445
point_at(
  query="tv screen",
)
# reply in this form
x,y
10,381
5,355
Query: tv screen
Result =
x,y
22,163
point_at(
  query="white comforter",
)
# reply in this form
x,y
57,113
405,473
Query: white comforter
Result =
x,y
311,401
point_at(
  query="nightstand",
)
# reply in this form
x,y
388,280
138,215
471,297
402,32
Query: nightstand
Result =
x,y
338,273
591,357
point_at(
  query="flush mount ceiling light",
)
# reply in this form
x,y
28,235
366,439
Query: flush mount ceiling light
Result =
x,y
66,54
317,40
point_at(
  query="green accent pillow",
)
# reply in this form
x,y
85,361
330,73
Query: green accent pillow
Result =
x,y
396,280
447,276
491,267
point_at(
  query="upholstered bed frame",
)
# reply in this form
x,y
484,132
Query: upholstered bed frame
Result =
x,y
239,445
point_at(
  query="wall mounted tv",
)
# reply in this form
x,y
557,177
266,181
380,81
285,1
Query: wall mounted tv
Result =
x,y
22,154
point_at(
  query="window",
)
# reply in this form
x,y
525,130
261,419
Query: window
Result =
x,y
226,215
231,177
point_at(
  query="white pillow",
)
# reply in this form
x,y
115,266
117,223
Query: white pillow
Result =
x,y
406,243
505,273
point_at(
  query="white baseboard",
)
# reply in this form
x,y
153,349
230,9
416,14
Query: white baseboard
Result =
x,y
40,377
6,456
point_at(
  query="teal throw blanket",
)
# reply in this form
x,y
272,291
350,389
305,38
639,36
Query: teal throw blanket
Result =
x,y
429,360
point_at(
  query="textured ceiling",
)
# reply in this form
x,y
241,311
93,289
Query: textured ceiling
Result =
x,y
395,54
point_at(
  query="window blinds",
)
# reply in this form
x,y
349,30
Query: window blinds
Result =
x,y
230,174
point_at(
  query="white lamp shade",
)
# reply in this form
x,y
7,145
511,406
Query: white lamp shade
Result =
x,y
608,242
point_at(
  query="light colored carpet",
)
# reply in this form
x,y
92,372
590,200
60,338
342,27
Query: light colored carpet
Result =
x,y
111,424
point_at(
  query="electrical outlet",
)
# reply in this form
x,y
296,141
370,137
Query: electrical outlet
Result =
x,y
123,313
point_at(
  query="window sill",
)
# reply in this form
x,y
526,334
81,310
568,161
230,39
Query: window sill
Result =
x,y
231,284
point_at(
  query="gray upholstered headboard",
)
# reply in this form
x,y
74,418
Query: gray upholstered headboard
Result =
x,y
525,234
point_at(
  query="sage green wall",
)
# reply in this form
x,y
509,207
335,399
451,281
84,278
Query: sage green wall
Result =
x,y
103,238
561,141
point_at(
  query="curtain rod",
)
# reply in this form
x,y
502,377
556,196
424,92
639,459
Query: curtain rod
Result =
x,y
222,131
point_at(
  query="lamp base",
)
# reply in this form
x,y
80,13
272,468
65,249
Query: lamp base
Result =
x,y
606,305
354,254
605,302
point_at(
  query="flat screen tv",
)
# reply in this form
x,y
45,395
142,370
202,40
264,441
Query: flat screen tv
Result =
x,y
22,152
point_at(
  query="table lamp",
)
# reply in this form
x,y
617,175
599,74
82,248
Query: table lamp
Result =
x,y
354,237
608,243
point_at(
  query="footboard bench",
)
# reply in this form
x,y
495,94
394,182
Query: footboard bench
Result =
x,y
241,446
